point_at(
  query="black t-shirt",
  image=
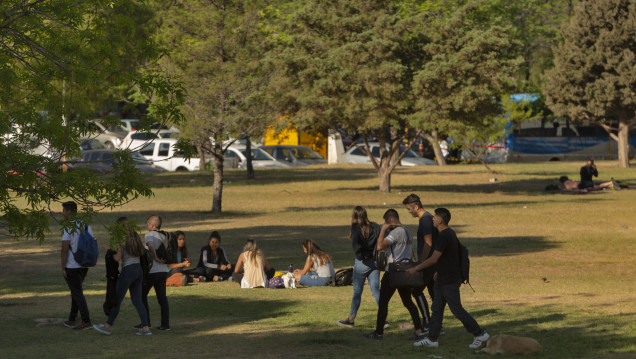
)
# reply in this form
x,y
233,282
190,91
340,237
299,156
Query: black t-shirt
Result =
x,y
426,227
448,263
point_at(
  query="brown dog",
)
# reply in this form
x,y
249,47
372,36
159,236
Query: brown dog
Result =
x,y
511,345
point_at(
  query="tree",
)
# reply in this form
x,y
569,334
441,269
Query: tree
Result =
x,y
594,74
215,47
371,67
58,61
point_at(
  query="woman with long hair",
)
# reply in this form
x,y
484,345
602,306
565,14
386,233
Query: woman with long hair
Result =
x,y
318,268
364,235
131,278
251,266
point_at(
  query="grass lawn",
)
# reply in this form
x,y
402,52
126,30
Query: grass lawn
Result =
x,y
559,268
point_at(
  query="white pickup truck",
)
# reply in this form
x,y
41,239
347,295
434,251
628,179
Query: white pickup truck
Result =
x,y
162,153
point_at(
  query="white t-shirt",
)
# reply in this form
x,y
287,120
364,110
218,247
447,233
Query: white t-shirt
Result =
x,y
157,239
73,238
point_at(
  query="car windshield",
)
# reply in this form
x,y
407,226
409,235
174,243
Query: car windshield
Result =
x,y
137,157
305,154
258,155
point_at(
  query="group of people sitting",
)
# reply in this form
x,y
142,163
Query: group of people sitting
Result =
x,y
251,269
587,173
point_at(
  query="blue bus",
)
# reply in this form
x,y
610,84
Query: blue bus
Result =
x,y
553,140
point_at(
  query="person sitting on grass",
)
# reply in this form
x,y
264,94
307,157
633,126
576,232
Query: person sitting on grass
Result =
x,y
571,185
251,266
318,268
213,263
179,258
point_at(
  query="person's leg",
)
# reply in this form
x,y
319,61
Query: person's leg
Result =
x,y
145,290
123,283
451,294
359,271
386,292
135,295
437,314
405,295
74,279
422,305
160,291
374,279
312,279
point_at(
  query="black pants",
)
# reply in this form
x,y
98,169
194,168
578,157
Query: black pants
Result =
x,y
209,273
420,299
157,281
449,294
74,279
386,292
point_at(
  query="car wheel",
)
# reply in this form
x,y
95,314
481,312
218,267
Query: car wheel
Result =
x,y
182,169
109,145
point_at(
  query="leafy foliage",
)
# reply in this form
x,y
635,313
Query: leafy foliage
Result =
x,y
59,60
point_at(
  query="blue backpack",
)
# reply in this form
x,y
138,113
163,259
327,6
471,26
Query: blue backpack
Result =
x,y
87,251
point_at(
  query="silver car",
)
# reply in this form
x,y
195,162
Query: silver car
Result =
x,y
111,137
294,155
354,155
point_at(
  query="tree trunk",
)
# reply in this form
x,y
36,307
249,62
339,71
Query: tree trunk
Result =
x,y
623,142
432,139
248,155
384,173
217,196
201,154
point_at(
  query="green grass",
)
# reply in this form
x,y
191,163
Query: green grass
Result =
x,y
517,235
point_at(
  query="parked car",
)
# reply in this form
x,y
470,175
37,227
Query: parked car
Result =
x,y
129,124
294,155
235,158
135,140
91,144
163,153
354,155
101,162
111,137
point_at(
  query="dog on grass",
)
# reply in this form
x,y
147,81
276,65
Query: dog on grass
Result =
x,y
511,345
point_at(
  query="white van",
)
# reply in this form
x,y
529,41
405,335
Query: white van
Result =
x,y
162,153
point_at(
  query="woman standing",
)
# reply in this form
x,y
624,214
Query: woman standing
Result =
x,y
364,236
318,268
130,279
251,266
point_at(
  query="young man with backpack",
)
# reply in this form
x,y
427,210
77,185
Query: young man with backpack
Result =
x,y
157,275
73,272
448,278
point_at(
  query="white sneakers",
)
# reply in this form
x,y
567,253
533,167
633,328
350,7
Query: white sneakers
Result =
x,y
479,341
476,344
426,343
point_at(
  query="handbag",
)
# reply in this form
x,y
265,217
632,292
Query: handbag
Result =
x,y
400,278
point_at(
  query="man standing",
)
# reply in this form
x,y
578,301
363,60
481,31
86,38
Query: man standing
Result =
x,y
587,172
427,234
73,273
447,282
156,278
398,244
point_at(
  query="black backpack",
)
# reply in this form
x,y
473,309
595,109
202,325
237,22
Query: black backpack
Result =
x,y
464,264
162,251
343,277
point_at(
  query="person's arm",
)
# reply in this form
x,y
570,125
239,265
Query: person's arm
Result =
x,y
183,264
266,265
356,239
239,264
306,269
382,242
205,261
64,255
427,263
225,263
117,256
428,244
151,248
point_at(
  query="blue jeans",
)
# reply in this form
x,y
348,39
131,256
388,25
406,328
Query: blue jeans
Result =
x,y
311,279
362,270
130,278
449,294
